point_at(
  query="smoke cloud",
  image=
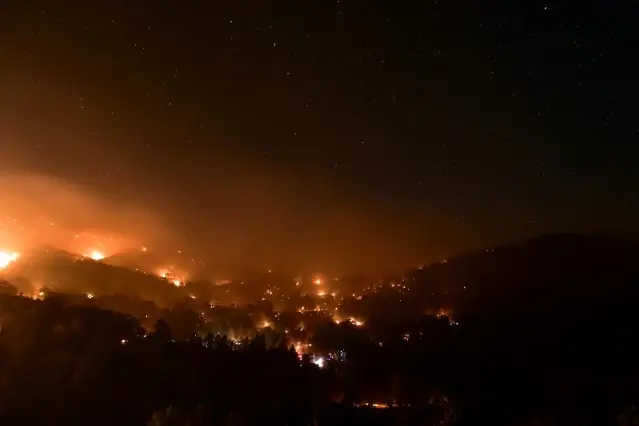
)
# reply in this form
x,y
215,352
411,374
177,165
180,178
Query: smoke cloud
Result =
x,y
38,209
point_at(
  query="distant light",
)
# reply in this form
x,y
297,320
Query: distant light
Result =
x,y
123,341
318,281
379,406
319,361
177,283
321,293
90,295
144,248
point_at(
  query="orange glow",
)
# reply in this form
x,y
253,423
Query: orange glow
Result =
x,y
300,349
169,274
357,323
7,258
317,281
95,255
321,293
377,405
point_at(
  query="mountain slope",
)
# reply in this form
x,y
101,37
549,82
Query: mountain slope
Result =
x,y
557,271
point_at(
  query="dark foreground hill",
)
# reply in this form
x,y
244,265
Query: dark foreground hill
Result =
x,y
545,334
547,322
549,273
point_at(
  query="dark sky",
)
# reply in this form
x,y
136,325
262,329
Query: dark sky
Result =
x,y
330,135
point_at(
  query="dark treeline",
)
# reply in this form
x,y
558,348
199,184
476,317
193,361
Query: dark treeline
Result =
x,y
540,333
66,364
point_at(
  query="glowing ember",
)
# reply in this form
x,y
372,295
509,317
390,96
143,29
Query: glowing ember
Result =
x,y
177,283
7,258
317,281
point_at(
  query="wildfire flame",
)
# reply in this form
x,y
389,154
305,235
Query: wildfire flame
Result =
x,y
7,258
95,255
356,322
169,275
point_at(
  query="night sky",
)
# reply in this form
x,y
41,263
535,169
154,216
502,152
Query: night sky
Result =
x,y
330,135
